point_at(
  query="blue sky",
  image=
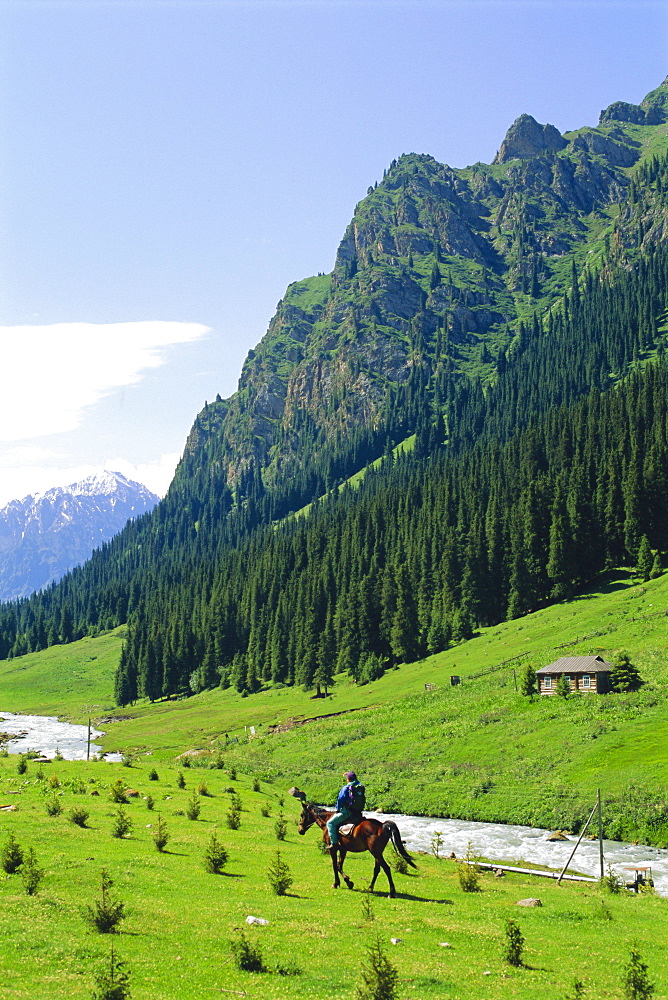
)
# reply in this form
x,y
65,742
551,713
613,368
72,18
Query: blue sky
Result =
x,y
174,165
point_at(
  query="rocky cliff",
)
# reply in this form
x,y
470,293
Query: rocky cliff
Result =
x,y
438,265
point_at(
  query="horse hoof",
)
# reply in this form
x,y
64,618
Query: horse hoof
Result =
x,y
351,885
335,885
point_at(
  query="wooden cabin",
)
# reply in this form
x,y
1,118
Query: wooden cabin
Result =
x,y
586,674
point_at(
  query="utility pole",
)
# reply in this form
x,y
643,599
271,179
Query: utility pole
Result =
x,y
600,830
88,744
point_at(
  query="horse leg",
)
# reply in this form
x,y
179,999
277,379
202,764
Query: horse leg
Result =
x,y
349,882
376,872
333,852
386,868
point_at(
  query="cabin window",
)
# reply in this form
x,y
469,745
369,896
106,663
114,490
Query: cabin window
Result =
x,y
547,682
586,681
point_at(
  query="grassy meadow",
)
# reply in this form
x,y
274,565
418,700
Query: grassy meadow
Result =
x,y
180,919
477,751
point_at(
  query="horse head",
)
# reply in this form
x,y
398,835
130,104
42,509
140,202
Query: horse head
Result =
x,y
307,818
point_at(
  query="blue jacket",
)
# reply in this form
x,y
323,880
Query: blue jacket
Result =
x,y
345,801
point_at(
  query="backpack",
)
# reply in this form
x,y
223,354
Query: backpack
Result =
x,y
357,797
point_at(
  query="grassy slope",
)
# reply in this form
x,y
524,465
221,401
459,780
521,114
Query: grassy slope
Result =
x,y
477,751
180,919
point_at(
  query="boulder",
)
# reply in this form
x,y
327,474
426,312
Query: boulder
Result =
x,y
529,902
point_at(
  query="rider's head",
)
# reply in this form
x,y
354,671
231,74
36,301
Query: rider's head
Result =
x,y
350,776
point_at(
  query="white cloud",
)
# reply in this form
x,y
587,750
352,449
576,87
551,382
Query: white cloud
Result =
x,y
52,373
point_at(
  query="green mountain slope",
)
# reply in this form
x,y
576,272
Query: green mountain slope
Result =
x,y
510,319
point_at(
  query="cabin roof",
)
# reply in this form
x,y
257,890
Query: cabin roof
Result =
x,y
577,665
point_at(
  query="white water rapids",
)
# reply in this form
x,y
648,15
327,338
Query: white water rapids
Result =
x,y
517,845
47,735
514,845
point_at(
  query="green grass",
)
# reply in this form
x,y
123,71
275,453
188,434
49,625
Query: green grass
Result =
x,y
180,920
477,751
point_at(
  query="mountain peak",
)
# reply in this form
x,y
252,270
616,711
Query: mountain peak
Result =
x,y
526,137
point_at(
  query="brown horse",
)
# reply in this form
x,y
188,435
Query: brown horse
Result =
x,y
367,835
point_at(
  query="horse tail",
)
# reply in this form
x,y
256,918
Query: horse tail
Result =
x,y
397,842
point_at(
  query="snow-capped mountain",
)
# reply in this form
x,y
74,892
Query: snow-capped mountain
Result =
x,y
43,536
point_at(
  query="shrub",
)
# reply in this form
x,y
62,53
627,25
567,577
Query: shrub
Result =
x,y
247,956
194,806
513,944
122,824
127,759
624,676
31,873
112,981
180,780
149,802
78,815
635,980
400,865
232,773
203,789
117,792
106,913
215,856
233,817
436,843
160,834
53,806
367,909
265,811
11,857
528,681
153,775
280,878
54,781
468,873
563,688
256,785
281,827
22,765
379,977
578,990
611,882
186,763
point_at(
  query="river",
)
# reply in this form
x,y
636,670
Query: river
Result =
x,y
514,845
48,735
517,845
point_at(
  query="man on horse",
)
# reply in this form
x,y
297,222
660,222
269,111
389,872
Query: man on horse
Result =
x,y
349,806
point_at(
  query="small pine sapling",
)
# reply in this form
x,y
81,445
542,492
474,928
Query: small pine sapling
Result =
x,y
106,913
78,816
122,824
22,765
611,882
379,977
153,775
281,827
193,807
367,909
31,873
11,857
256,785
215,856
578,990
112,982
150,801
468,873
247,956
563,688
513,944
180,780
636,982
279,875
117,792
265,811
436,843
203,789
53,806
233,817
160,834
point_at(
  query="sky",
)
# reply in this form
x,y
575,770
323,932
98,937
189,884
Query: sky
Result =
x,y
168,167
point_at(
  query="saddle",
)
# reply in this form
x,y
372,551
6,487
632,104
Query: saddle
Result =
x,y
347,829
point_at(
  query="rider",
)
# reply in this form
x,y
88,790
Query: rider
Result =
x,y
347,809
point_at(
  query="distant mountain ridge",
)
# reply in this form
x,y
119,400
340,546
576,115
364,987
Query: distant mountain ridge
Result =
x,y
45,535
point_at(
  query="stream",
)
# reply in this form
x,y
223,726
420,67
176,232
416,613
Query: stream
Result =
x,y
519,845
48,735
514,845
